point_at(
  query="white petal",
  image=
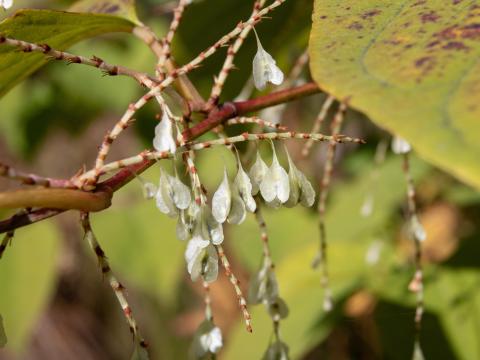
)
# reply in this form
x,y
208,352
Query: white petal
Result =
x,y
181,194
417,229
163,140
163,198
259,77
195,247
210,265
294,182
221,200
267,186
182,230
265,69
257,173
276,75
237,212
307,196
400,146
244,186
215,229
149,190
212,341
367,206
282,183
7,4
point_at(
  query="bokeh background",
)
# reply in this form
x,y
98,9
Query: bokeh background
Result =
x,y
52,297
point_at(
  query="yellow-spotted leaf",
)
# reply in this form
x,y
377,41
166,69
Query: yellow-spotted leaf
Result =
x,y
58,29
412,66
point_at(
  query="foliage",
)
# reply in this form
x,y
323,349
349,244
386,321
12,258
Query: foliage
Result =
x,y
425,93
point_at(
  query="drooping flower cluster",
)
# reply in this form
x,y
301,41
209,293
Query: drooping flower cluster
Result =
x,y
264,290
202,226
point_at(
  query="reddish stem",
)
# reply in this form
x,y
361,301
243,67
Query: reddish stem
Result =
x,y
216,116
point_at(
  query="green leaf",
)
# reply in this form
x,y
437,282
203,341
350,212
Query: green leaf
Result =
x,y
27,279
3,336
412,67
58,29
120,8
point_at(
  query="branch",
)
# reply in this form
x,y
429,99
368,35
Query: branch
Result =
x,y
217,116
62,199
33,179
141,78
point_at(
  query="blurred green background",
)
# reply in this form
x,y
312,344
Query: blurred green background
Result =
x,y
55,305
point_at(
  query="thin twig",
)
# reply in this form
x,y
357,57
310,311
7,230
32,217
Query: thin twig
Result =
x,y
317,126
117,287
255,120
123,177
167,41
242,303
142,78
154,155
321,257
7,240
228,63
33,179
416,284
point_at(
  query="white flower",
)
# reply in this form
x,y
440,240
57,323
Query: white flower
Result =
x,y
212,340
367,207
202,259
300,188
372,256
222,200
163,140
265,69
417,229
149,190
208,340
257,173
275,187
231,203
263,287
207,227
400,146
172,195
244,187
6,4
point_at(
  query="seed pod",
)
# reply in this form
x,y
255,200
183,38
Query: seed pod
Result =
x,y
238,212
300,188
275,184
222,200
264,287
265,68
400,146
207,340
149,190
244,187
277,309
257,173
164,140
